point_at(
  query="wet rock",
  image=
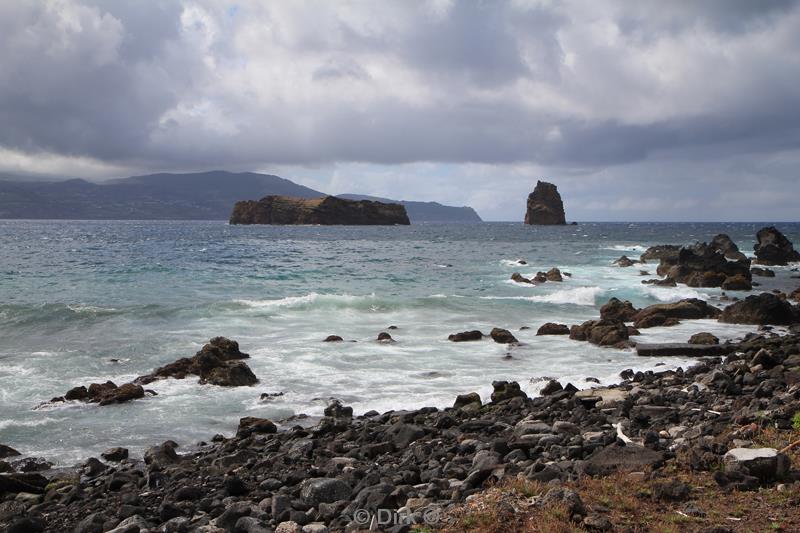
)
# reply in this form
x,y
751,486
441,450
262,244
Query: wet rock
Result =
x,y
554,274
616,309
466,336
600,332
7,451
552,328
385,337
163,454
519,278
702,265
502,336
250,425
762,272
505,390
764,308
625,262
32,464
773,248
473,399
703,338
333,338
552,387
736,283
115,454
217,363
22,482
658,314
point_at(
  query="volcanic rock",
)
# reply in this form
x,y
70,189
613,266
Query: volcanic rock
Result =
x,y
773,248
659,314
601,332
502,336
545,206
703,338
723,244
764,308
7,451
465,336
217,363
616,309
552,328
328,210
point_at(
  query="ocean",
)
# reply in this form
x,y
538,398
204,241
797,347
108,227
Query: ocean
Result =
x,y
89,301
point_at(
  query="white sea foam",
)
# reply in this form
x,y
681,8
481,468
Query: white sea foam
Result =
x,y
626,248
673,294
5,424
300,301
577,296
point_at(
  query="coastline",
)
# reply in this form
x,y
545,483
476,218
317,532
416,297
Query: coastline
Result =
x,y
421,466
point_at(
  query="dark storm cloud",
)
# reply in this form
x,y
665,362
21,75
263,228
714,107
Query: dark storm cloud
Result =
x,y
574,88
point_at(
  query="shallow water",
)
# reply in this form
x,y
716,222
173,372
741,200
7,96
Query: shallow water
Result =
x,y
74,295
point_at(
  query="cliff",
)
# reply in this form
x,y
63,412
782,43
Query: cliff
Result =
x,y
425,211
545,206
328,210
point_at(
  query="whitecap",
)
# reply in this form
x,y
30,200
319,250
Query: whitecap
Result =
x,y
576,296
299,301
8,423
673,294
626,248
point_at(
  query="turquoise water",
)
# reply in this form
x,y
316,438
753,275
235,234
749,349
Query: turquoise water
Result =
x,y
75,295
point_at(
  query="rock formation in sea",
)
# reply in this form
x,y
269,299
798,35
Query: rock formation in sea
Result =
x,y
328,210
545,206
773,248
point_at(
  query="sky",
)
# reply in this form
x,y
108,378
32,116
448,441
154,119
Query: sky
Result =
x,y
645,110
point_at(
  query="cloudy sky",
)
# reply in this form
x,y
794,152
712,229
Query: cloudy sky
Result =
x,y
645,110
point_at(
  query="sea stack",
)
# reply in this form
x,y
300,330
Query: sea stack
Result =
x,y
544,206
328,210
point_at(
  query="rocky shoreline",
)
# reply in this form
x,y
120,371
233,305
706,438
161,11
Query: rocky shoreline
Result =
x,y
684,440
419,467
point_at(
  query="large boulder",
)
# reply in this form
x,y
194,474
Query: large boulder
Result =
x,y
663,314
601,332
506,390
766,464
703,265
219,362
764,308
324,490
616,309
773,248
551,328
7,451
545,206
503,336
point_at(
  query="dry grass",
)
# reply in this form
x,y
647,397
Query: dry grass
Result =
x,y
627,502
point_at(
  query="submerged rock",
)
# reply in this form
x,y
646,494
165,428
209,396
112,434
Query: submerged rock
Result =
x,y
466,336
545,206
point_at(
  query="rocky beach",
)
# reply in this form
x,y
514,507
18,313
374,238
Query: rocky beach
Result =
x,y
709,446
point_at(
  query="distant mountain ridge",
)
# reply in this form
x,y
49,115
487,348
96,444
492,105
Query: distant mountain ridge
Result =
x,y
195,196
425,211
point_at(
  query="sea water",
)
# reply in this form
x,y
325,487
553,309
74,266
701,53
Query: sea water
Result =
x,y
84,302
